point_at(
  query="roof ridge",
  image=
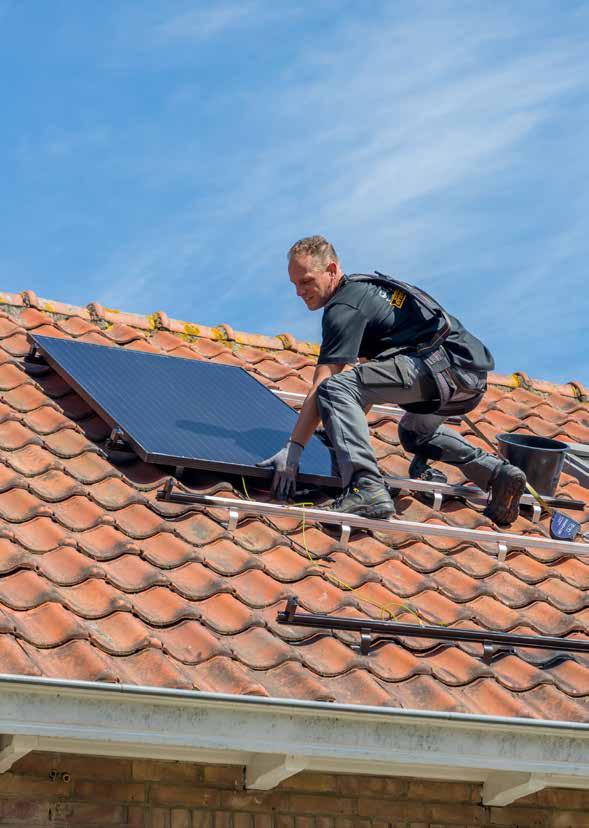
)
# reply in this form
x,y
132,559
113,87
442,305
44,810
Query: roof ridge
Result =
x,y
159,320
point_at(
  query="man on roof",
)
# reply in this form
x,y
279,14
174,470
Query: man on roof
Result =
x,y
404,349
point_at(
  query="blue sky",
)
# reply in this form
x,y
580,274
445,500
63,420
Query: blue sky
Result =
x,y
164,154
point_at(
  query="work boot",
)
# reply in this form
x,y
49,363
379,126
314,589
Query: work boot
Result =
x,y
367,497
507,487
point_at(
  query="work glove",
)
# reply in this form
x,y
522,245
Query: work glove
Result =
x,y
286,465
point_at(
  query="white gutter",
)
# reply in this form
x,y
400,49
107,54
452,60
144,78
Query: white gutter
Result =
x,y
275,738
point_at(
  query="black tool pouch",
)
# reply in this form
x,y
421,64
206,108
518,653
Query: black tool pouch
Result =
x,y
449,382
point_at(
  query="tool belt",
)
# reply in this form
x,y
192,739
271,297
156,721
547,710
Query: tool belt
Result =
x,y
457,396
459,392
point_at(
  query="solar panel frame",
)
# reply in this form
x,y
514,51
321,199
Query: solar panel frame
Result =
x,y
47,345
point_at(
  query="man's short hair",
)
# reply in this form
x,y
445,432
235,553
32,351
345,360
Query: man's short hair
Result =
x,y
315,246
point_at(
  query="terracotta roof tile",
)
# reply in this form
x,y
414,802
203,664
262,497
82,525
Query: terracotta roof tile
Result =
x,y
292,681
104,543
285,564
259,649
66,566
226,615
393,663
14,659
167,551
15,436
72,660
16,345
48,626
191,643
571,677
46,420
222,675
130,573
100,581
40,534
90,468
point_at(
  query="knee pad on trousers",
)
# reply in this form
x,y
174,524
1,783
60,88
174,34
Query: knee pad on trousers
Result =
x,y
409,440
418,444
432,447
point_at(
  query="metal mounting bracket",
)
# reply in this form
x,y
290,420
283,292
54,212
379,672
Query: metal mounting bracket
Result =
x,y
502,551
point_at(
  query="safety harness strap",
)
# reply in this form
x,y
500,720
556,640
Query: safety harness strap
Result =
x,y
420,296
432,353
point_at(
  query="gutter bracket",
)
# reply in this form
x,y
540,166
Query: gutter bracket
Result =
x,y
503,788
263,773
13,748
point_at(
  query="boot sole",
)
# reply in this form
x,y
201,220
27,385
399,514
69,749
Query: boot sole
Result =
x,y
504,505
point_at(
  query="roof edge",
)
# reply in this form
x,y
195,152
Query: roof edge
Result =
x,y
159,320
105,689
276,738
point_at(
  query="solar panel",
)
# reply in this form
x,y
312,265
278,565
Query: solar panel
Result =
x,y
184,412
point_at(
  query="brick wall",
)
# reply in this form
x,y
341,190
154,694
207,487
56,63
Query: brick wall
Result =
x,y
63,791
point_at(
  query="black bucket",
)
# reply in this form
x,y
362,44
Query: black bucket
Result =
x,y
540,458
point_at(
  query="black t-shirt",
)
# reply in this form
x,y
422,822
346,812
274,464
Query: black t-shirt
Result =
x,y
364,320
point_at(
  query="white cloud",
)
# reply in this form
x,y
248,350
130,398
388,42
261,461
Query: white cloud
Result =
x,y
202,23
387,133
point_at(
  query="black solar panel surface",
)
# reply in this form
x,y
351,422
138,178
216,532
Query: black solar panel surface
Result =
x,y
183,411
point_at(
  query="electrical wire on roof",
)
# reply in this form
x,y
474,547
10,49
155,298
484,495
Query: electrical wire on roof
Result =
x,y
324,567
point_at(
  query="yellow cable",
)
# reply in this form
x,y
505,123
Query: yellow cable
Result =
x,y
337,581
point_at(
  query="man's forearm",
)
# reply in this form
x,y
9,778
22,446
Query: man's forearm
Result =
x,y
308,419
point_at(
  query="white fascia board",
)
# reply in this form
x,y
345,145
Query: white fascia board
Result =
x,y
273,736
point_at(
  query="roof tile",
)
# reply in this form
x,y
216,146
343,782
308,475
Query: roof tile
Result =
x,y
76,660
120,634
40,534
167,551
393,663
13,557
98,579
292,681
225,614
104,543
159,607
259,649
195,582
222,675
191,643
67,443
90,468
130,573
572,677
199,529
457,668
66,566
16,345
48,625
46,420
284,564
14,659
15,436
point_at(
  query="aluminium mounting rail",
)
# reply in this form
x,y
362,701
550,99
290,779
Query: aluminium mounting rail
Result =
x,y
393,411
502,541
474,494
367,627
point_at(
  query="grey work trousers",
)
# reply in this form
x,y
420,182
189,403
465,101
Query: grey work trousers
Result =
x,y
343,399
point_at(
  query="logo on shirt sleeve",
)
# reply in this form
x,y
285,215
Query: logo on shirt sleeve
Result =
x,y
398,298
